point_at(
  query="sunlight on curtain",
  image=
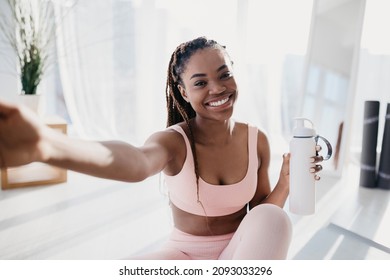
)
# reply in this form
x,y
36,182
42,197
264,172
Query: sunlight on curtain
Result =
x,y
114,56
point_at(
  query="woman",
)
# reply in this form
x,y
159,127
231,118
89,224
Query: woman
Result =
x,y
216,169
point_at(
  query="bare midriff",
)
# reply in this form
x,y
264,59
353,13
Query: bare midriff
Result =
x,y
205,226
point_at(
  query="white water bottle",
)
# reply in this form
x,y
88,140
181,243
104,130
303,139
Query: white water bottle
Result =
x,y
302,195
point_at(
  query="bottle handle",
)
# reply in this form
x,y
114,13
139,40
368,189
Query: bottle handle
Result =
x,y
328,146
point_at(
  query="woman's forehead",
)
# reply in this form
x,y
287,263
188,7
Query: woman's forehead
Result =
x,y
208,59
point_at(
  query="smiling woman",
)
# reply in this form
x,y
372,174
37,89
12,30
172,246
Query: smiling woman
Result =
x,y
208,82
216,168
123,90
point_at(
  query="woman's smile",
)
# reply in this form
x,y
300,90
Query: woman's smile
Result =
x,y
220,103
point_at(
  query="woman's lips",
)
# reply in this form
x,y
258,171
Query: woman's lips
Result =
x,y
217,102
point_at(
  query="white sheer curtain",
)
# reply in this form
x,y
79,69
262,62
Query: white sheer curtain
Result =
x,y
114,55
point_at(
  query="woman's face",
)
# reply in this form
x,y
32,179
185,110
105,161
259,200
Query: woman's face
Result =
x,y
209,84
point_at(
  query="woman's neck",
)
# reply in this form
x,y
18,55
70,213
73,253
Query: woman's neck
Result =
x,y
211,131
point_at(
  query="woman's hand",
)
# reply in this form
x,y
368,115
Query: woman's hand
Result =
x,y
284,176
316,166
20,135
285,169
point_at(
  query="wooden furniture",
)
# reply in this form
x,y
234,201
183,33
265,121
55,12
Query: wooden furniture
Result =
x,y
36,174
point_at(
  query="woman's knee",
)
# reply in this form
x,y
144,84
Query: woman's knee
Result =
x,y
265,233
270,215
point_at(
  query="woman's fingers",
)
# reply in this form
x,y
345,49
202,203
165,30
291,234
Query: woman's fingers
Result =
x,y
6,108
316,168
317,159
286,164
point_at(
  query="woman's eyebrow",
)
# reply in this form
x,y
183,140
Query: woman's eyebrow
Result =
x,y
222,67
198,75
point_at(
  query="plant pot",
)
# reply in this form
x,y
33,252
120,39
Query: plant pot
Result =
x,y
33,101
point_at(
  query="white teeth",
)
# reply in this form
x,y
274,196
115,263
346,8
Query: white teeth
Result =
x,y
219,103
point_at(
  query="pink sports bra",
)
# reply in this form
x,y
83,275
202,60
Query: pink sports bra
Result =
x,y
215,200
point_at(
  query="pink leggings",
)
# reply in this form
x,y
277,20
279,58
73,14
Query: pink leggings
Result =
x,y
264,233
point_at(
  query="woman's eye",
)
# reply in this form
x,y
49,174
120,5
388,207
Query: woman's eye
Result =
x,y
200,83
226,75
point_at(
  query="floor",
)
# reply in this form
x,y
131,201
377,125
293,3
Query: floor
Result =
x,y
90,218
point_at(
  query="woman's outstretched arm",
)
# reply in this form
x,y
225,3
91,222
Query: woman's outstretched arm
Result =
x,y
25,139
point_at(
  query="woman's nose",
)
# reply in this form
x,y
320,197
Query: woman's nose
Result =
x,y
216,88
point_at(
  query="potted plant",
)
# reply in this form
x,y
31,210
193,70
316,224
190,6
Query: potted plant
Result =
x,y
28,28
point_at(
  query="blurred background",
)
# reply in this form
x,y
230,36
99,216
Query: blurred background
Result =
x,y
106,74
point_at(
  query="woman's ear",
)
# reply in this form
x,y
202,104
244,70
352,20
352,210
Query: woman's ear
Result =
x,y
183,92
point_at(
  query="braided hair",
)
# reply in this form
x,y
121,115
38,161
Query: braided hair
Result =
x,y
180,110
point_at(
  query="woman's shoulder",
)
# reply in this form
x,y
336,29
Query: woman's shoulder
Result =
x,y
261,133
169,137
177,131
172,137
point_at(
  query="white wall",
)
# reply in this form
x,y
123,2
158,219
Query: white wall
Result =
x,y
8,79
8,86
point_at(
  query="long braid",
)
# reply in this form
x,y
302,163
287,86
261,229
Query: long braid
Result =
x,y
178,109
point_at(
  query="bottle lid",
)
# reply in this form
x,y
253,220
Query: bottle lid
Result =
x,y
300,130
